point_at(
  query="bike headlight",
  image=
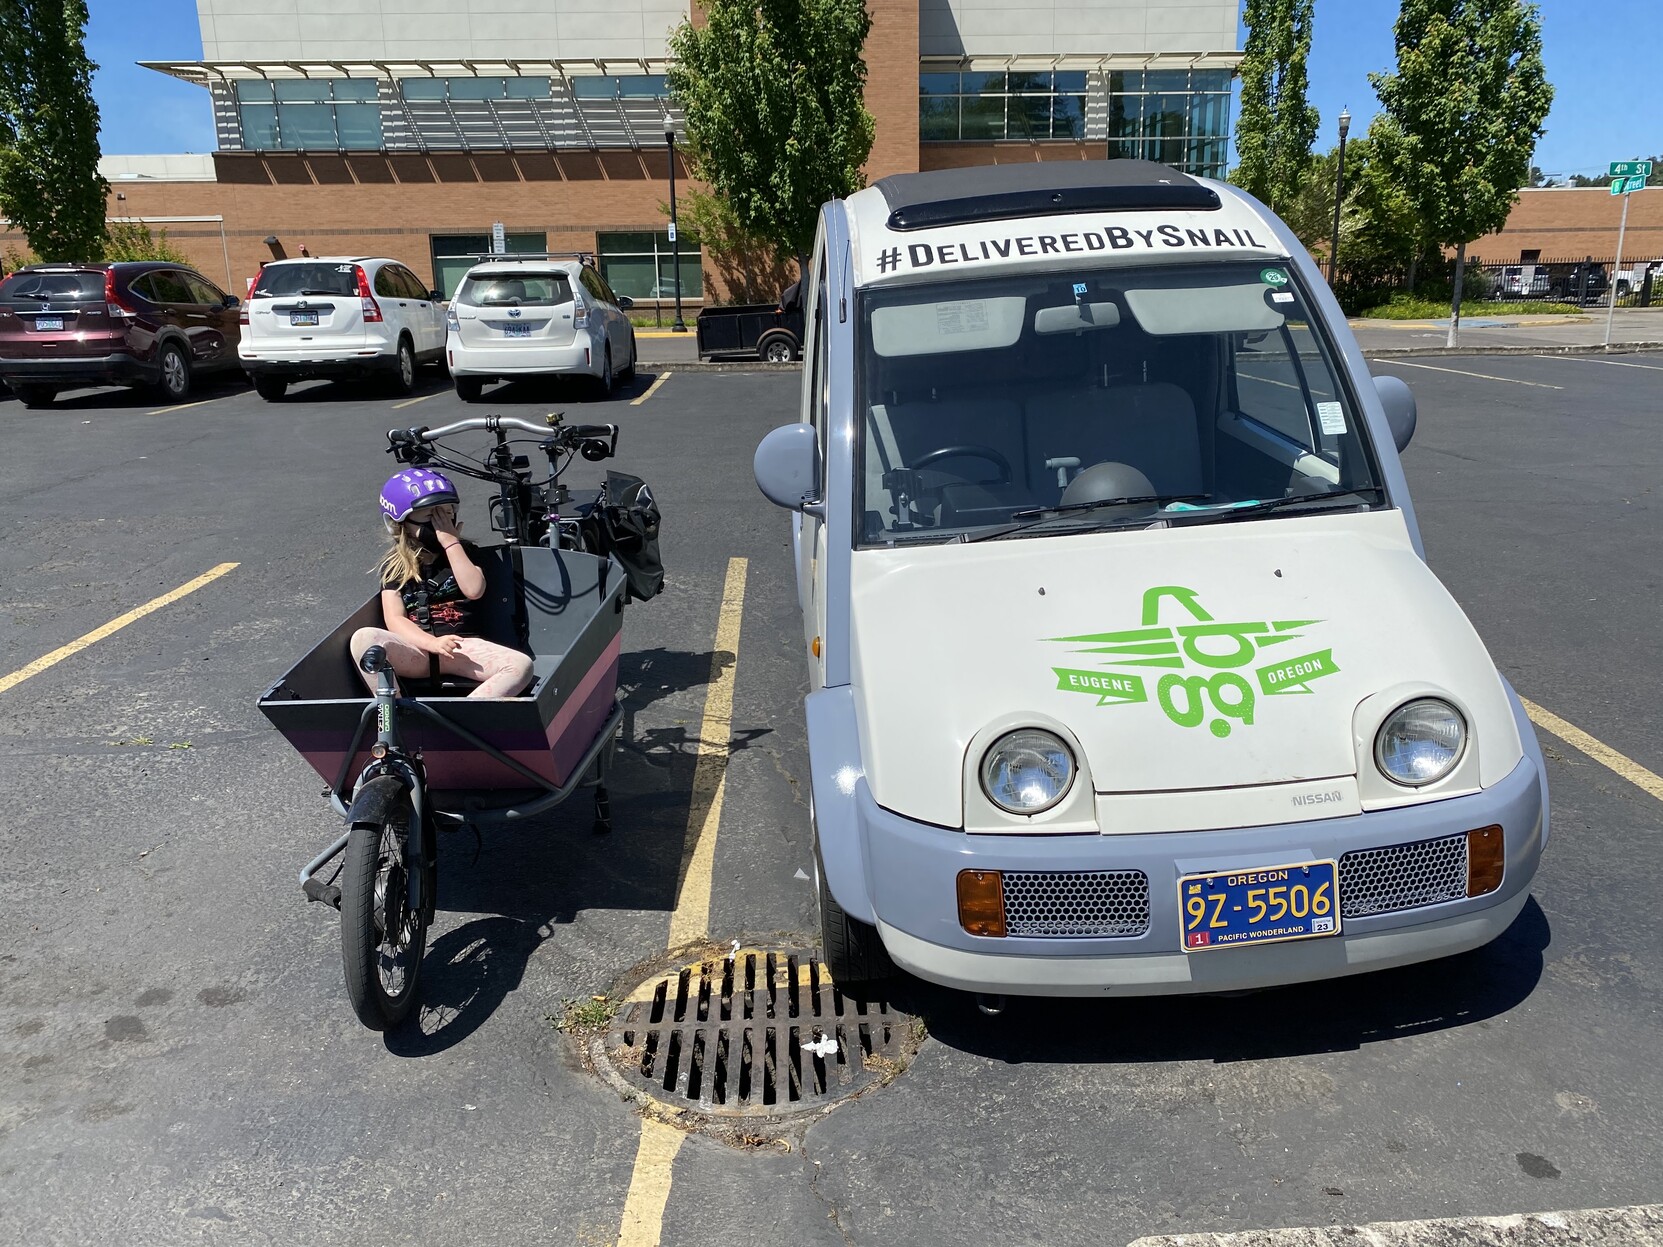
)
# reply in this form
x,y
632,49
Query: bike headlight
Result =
x,y
1027,772
1420,742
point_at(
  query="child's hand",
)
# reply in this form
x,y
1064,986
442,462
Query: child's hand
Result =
x,y
444,520
445,646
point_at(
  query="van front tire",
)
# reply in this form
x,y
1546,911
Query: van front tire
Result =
x,y
850,949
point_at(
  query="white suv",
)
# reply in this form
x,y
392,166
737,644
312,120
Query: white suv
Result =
x,y
521,316
342,317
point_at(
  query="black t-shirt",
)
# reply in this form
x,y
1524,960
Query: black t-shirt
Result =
x,y
435,602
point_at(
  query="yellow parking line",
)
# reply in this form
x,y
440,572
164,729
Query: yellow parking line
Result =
x,y
201,402
651,389
642,1223
411,402
1485,376
115,625
692,912
1599,751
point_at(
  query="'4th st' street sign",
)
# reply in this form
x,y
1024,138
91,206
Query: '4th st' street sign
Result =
x,y
1630,168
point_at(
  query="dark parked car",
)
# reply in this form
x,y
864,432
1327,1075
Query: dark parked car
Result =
x,y
141,323
1567,283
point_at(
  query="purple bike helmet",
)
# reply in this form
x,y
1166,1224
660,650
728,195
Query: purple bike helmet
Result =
x,y
413,489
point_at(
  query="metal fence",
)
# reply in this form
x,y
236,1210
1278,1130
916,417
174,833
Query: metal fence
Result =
x,y
1586,281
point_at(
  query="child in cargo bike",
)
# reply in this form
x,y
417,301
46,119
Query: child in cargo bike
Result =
x,y
429,582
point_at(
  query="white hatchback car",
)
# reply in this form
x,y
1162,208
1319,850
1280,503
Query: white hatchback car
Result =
x,y
339,317
537,316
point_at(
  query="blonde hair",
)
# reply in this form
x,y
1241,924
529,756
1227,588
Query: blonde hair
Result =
x,y
403,560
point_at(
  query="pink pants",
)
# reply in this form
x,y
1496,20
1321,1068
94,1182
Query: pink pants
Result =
x,y
500,671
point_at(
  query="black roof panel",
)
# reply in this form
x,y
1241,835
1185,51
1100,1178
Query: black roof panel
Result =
x,y
1042,188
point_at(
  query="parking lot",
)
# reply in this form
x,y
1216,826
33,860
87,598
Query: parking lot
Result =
x,y
178,1062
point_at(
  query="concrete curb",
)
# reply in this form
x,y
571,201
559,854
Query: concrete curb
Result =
x,y
1616,348
735,365
1639,1226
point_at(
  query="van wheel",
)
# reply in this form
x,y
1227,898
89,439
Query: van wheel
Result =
x,y
34,397
404,371
849,948
175,382
468,388
270,388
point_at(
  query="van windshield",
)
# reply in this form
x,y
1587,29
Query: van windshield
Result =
x,y
1199,391
515,290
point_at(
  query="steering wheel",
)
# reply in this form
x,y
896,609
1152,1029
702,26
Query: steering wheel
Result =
x,y
970,452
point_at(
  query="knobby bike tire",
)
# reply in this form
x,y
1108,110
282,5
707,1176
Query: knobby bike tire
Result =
x,y
362,941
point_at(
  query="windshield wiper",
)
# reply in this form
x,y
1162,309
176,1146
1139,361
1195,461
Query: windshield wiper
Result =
x,y
1281,504
1036,516
1099,503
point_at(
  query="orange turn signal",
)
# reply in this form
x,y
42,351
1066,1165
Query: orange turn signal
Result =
x,y
816,647
982,902
1486,860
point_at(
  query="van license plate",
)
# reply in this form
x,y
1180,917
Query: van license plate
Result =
x,y
45,323
517,331
303,318
1261,905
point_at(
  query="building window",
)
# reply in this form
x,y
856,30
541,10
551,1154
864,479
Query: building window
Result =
x,y
974,106
642,265
620,87
1179,117
309,114
458,90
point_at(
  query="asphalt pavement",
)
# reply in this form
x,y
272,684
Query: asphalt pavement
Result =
x,y
178,1062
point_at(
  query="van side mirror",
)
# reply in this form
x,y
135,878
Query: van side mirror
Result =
x,y
785,468
435,296
625,302
1399,402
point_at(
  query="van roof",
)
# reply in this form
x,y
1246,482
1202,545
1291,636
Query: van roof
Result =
x,y
1048,214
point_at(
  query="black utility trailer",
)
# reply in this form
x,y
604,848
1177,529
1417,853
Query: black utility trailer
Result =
x,y
769,331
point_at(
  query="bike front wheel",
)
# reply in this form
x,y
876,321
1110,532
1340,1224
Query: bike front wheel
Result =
x,y
382,936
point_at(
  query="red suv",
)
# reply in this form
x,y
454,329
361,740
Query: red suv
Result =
x,y
65,326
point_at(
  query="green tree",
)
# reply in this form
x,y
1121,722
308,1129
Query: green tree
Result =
x,y
1465,107
49,182
132,240
1277,126
776,120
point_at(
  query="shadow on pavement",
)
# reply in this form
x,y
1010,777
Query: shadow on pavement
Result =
x,y
526,879
1340,1015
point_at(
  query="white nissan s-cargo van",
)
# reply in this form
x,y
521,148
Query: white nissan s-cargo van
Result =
x,y
1127,673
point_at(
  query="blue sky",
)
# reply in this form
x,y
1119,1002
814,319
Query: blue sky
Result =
x,y
1602,58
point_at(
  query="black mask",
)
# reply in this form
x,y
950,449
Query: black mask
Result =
x,y
428,538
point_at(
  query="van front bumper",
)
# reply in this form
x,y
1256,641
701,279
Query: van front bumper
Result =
x,y
911,872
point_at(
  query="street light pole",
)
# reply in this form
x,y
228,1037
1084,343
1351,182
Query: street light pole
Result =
x,y
680,326
1339,194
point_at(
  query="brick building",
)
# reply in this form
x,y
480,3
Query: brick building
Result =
x,y
1567,223
408,127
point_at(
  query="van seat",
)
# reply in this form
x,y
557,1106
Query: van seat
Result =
x,y
1150,427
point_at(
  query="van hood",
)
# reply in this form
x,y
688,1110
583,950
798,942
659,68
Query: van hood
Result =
x,y
1205,657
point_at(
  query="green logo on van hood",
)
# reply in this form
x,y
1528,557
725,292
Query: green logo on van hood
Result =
x,y
1208,663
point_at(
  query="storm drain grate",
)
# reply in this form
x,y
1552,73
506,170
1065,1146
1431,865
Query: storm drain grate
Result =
x,y
755,1034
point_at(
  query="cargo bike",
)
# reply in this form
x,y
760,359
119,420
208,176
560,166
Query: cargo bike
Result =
x,y
406,762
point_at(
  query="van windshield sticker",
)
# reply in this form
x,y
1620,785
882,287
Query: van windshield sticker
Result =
x,y
1273,277
984,250
969,316
1332,418
1204,681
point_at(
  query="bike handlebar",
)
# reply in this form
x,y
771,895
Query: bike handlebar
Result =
x,y
491,424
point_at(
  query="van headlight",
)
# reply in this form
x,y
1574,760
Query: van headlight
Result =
x,y
1420,742
1027,772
